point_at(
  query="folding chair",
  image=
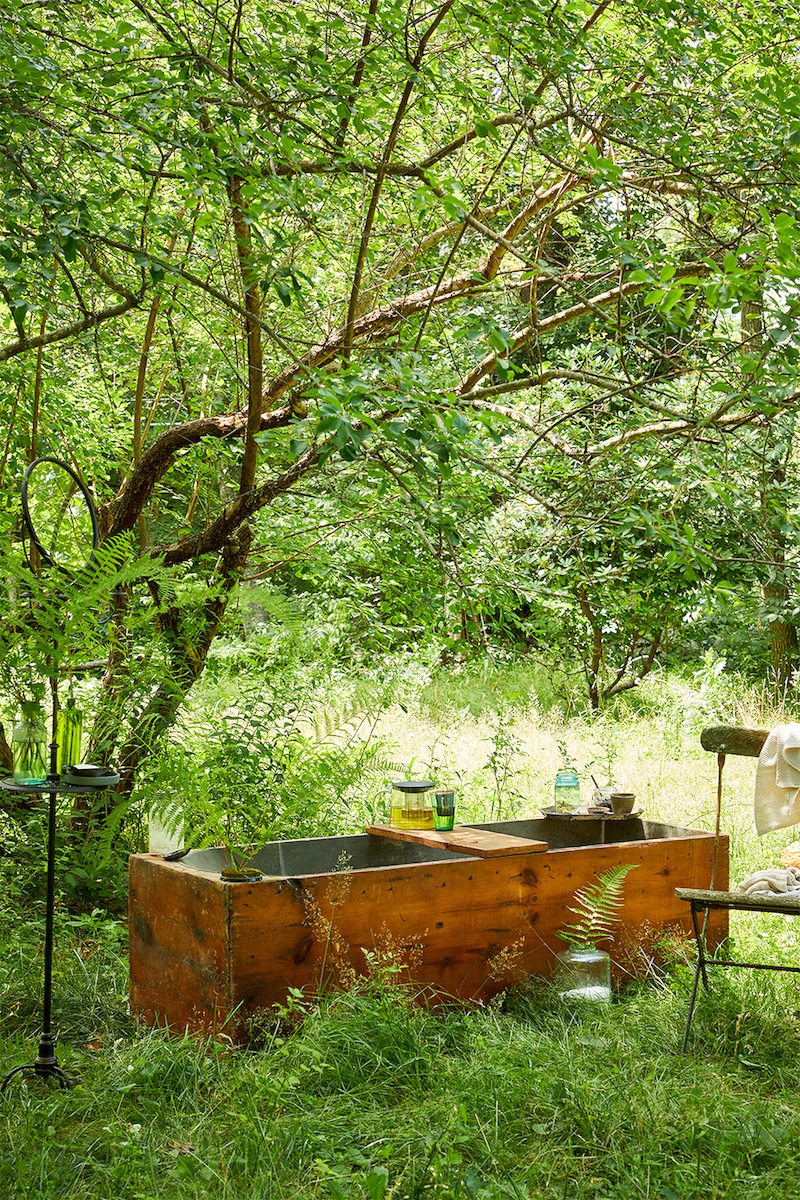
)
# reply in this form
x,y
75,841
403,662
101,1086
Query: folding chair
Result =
x,y
724,740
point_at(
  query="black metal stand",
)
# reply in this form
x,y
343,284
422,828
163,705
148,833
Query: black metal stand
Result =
x,y
45,1065
58,529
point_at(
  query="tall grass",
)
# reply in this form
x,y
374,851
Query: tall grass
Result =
x,y
650,738
369,1095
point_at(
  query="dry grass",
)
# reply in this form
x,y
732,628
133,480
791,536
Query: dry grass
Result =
x,y
657,755
655,748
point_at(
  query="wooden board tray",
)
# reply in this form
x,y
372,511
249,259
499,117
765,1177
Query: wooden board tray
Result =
x,y
463,839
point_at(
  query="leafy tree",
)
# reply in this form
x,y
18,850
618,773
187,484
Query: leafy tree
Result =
x,y
463,254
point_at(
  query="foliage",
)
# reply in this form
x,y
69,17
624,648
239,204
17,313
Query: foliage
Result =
x,y
54,624
259,763
90,869
376,1039
596,908
51,620
501,763
472,324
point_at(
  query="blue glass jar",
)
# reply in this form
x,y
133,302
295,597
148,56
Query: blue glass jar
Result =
x,y
567,791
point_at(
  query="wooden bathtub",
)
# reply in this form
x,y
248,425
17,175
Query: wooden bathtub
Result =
x,y
467,913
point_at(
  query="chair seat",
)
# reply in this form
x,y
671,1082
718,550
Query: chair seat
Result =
x,y
773,902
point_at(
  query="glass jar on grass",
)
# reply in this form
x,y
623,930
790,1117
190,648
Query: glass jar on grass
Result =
x,y
29,746
583,973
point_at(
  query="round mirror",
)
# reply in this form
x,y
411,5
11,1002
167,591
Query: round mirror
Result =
x,y
59,515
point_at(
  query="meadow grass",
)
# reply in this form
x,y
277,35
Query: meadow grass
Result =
x,y
370,1095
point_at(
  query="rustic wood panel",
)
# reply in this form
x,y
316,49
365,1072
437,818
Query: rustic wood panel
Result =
x,y
179,945
469,928
180,993
463,839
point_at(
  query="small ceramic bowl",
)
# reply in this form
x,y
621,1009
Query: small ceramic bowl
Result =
x,y
621,802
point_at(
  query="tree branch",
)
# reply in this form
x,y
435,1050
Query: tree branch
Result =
x,y
159,457
214,537
23,345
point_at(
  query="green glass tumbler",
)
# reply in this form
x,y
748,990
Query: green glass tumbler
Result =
x,y
444,810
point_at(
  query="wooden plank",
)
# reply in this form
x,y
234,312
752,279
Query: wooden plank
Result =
x,y
733,739
178,938
463,839
760,902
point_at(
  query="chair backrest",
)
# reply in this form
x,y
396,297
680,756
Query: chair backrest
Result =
x,y
733,739
723,740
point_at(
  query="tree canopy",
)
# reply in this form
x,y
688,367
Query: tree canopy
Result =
x,y
513,285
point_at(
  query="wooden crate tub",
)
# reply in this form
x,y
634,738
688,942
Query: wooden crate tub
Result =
x,y
209,955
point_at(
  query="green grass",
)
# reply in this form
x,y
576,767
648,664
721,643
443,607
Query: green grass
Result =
x,y
368,1095
520,1099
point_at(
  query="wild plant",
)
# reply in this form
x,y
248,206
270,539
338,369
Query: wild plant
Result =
x,y
565,754
608,736
264,767
596,908
506,751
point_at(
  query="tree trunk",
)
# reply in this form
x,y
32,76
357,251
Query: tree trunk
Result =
x,y
777,589
187,654
782,633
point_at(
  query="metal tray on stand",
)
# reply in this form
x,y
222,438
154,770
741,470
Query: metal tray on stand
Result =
x,y
594,814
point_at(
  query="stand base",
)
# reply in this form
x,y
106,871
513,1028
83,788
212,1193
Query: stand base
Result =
x,y
45,1066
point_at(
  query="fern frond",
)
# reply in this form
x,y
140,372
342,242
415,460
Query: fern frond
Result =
x,y
107,830
283,609
596,908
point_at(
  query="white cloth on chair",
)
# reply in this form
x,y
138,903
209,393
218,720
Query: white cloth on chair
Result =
x,y
774,882
777,796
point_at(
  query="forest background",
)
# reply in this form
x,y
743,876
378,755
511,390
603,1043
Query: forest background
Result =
x,y
390,335
434,372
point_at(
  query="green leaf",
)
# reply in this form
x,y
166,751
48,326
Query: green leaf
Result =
x,y
377,1182
485,129
597,906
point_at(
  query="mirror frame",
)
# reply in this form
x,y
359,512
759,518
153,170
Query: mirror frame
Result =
x,y
26,513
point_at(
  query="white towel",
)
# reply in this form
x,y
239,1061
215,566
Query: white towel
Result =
x,y
771,883
777,796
